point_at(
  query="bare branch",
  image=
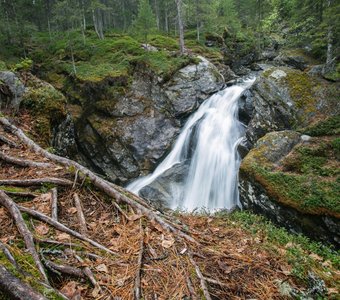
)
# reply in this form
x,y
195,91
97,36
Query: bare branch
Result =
x,y
39,181
22,162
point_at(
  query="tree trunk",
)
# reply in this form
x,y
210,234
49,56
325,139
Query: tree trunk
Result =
x,y
180,26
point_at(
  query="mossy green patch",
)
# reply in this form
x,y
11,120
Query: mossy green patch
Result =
x,y
48,107
3,66
330,126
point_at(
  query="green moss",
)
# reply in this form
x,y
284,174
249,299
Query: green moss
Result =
x,y
163,42
331,126
3,66
47,105
301,88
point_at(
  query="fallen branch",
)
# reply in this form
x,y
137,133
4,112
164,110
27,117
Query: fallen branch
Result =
x,y
204,285
87,271
22,162
22,227
37,181
100,183
68,270
7,141
15,288
54,204
9,256
214,281
138,289
191,289
80,215
20,194
63,228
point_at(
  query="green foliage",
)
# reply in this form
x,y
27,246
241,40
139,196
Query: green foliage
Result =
x,y
3,66
24,65
145,21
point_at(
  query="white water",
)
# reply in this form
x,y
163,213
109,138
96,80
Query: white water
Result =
x,y
215,132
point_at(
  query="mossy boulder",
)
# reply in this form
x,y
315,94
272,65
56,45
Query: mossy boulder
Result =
x,y
123,133
11,90
46,104
285,98
294,181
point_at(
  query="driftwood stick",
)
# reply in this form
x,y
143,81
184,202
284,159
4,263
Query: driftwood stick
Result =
x,y
191,289
204,285
38,181
68,270
63,228
22,227
80,215
7,141
138,288
15,288
100,183
22,162
54,204
9,256
20,194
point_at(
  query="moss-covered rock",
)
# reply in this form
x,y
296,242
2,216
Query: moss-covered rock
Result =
x,y
47,105
295,183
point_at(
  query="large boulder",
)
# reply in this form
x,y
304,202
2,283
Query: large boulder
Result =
x,y
285,98
290,179
11,90
124,135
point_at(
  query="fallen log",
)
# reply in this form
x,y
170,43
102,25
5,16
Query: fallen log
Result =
x,y
62,227
15,288
22,162
36,181
10,205
98,182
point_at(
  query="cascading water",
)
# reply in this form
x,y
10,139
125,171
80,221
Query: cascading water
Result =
x,y
209,142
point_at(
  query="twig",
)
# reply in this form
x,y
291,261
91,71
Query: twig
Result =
x,y
87,271
63,228
80,215
138,289
75,179
48,241
214,281
14,287
23,162
7,141
9,256
22,227
191,289
38,181
100,183
204,285
54,204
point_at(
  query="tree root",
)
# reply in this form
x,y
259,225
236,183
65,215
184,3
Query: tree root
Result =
x,y
22,162
7,141
35,182
14,287
9,204
100,183
63,228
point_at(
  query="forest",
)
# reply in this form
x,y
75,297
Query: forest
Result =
x,y
169,149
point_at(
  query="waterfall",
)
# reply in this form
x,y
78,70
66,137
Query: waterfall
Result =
x,y
208,146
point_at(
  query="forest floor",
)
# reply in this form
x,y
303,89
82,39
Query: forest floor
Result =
x,y
237,255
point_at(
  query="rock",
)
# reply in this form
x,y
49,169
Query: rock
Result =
x,y
11,90
294,61
266,189
126,135
316,70
191,85
149,47
285,98
159,192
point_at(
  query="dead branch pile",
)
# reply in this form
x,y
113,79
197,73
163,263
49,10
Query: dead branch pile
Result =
x,y
98,241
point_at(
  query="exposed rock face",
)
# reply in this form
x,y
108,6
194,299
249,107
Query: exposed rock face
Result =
x,y
11,90
284,98
266,189
126,135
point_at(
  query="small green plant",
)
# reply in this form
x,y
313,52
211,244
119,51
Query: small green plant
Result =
x,y
24,65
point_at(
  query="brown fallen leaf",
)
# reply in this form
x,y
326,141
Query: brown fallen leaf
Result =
x,y
102,268
70,290
63,237
72,210
42,229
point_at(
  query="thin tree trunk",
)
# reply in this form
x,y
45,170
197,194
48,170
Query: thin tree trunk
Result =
x,y
180,26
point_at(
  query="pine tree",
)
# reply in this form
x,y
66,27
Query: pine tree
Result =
x,y
146,20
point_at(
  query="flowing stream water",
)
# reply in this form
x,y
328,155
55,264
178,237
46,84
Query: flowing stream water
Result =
x,y
208,145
